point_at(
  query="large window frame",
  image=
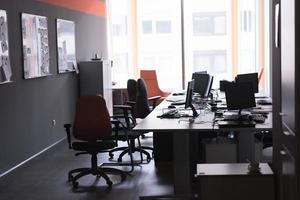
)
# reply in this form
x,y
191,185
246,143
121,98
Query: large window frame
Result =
x,y
232,61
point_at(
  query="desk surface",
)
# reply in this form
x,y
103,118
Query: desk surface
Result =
x,y
204,122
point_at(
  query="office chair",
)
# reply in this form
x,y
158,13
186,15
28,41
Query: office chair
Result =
x,y
134,93
153,89
93,130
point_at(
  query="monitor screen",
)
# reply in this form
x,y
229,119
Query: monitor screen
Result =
x,y
251,77
189,94
202,83
239,96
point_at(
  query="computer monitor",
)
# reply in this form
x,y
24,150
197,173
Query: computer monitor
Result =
x,y
189,98
202,83
251,77
239,96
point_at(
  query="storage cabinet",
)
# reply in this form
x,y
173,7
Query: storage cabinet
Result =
x,y
95,79
289,135
233,181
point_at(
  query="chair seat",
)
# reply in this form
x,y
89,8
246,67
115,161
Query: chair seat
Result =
x,y
93,146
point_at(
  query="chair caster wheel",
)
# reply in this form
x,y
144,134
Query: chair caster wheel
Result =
x,y
111,156
123,177
109,184
148,159
75,185
119,159
70,178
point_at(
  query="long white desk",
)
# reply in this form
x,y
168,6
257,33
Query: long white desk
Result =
x,y
182,129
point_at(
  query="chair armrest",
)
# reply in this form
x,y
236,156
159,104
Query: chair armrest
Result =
x,y
130,103
165,94
115,122
68,131
154,100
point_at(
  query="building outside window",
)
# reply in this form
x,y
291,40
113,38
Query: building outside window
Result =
x,y
222,37
209,23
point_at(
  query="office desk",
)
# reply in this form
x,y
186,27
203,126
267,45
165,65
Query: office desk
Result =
x,y
182,129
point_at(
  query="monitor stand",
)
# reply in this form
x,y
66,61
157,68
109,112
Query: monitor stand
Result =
x,y
195,113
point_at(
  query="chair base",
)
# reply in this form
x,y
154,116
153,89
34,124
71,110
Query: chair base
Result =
x,y
99,172
125,150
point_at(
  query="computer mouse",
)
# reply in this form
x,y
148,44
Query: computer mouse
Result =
x,y
171,106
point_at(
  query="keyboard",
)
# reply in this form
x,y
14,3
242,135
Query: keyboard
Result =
x,y
258,118
178,103
173,113
264,101
236,124
235,117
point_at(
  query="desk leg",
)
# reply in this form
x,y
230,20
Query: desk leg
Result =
x,y
181,162
246,146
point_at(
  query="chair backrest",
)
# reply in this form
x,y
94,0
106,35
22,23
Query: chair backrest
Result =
x,y
132,89
150,79
142,106
92,120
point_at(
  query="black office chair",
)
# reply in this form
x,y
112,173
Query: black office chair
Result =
x,y
137,96
93,130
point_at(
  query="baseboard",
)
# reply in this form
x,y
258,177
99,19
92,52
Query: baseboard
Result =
x,y
35,155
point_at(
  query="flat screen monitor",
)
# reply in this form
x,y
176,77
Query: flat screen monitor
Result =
x,y
189,94
239,96
189,98
251,77
202,84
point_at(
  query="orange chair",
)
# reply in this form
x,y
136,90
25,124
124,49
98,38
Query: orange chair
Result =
x,y
153,89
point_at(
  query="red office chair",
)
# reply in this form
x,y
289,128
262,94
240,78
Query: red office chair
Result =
x,y
150,78
93,130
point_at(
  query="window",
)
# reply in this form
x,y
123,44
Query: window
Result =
x,y
119,26
213,60
147,27
209,24
223,37
120,63
246,20
163,26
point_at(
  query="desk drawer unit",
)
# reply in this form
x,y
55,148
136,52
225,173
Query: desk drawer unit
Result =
x,y
232,181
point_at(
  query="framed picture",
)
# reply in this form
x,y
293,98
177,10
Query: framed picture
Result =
x,y
5,68
66,46
35,46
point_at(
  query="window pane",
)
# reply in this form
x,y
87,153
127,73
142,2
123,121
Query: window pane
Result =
x,y
162,49
163,27
220,25
147,27
120,63
201,61
202,25
219,63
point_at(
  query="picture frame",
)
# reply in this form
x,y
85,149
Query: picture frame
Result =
x,y
66,50
5,67
36,57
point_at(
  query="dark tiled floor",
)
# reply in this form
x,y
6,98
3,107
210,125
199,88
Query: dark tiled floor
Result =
x,y
45,178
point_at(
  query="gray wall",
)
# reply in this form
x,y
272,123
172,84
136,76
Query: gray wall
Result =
x,y
27,107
